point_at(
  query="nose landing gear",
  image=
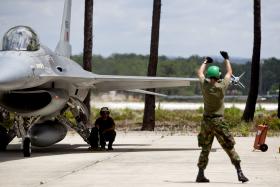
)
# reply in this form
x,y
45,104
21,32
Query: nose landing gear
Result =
x,y
26,147
22,126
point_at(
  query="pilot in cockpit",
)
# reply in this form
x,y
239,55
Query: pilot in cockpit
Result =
x,y
20,38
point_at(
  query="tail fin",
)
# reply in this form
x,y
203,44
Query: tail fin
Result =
x,y
63,47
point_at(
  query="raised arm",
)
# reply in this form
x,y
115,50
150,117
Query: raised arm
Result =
x,y
227,64
200,72
228,68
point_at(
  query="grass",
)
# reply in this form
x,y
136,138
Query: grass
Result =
x,y
186,121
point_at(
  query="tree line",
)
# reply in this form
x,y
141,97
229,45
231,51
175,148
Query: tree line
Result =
x,y
134,64
254,85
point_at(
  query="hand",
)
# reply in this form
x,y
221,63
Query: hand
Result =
x,y
208,60
224,54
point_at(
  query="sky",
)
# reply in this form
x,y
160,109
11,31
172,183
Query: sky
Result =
x,y
188,27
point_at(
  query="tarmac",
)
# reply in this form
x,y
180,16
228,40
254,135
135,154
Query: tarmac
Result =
x,y
138,159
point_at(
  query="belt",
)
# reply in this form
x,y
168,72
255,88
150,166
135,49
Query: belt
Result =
x,y
213,116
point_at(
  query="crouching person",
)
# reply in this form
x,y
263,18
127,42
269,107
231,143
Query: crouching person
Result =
x,y
103,130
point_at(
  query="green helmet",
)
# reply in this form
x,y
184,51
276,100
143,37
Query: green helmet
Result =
x,y
213,71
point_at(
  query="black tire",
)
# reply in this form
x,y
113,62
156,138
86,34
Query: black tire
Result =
x,y
4,140
3,148
263,147
26,147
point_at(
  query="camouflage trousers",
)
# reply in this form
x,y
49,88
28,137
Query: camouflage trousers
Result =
x,y
217,127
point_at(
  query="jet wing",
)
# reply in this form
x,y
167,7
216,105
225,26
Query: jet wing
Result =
x,y
114,82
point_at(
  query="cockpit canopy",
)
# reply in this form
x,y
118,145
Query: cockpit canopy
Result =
x,y
20,38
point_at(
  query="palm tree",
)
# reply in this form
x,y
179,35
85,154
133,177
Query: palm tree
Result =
x,y
249,111
149,111
278,114
87,58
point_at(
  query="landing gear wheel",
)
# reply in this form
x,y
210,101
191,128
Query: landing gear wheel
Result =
x,y
263,147
3,148
26,147
4,140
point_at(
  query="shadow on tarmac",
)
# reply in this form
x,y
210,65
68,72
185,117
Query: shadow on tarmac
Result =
x,y
14,152
193,182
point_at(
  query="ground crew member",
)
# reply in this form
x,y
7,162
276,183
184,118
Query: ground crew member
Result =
x,y
103,130
5,136
213,91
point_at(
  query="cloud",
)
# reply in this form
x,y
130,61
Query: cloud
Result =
x,y
187,27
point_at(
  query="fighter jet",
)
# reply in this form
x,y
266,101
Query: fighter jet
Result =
x,y
38,85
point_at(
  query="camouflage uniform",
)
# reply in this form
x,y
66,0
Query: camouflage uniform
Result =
x,y
213,124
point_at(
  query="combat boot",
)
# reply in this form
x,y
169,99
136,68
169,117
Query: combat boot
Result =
x,y
110,146
200,177
241,176
103,148
103,144
94,149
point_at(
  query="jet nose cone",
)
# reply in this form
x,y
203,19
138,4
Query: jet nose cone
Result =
x,y
14,73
